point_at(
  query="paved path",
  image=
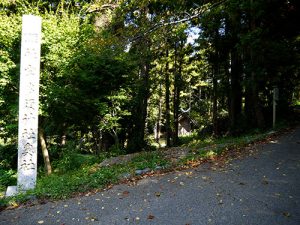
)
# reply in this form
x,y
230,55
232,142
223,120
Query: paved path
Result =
x,y
260,189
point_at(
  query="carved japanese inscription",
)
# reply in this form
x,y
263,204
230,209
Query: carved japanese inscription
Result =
x,y
28,102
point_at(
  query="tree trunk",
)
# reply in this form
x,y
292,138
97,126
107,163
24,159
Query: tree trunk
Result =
x,y
259,117
116,137
107,141
159,115
63,138
215,101
168,117
235,107
176,100
249,103
45,152
235,92
136,141
97,140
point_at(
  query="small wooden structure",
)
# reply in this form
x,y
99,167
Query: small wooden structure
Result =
x,y
184,125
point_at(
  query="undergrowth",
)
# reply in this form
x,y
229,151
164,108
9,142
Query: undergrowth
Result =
x,y
211,147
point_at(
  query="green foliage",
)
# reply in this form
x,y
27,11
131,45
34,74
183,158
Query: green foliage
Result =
x,y
7,178
59,186
115,150
148,160
9,70
211,147
8,156
86,177
198,142
72,161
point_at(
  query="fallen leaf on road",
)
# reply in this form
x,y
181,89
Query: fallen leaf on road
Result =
x,y
150,217
94,219
286,214
157,194
265,182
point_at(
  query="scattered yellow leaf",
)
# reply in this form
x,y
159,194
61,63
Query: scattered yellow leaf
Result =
x,y
157,194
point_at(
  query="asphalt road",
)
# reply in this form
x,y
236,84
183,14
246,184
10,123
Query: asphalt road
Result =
x,y
263,188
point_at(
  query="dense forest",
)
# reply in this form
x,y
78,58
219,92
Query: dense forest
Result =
x,y
120,75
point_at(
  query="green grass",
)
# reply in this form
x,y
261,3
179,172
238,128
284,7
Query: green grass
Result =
x,y
60,186
208,141
211,146
148,160
63,184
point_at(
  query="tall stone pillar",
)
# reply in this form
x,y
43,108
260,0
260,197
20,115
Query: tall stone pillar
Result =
x,y
28,104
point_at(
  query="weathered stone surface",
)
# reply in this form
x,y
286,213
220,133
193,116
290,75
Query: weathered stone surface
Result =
x,y
11,191
28,102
